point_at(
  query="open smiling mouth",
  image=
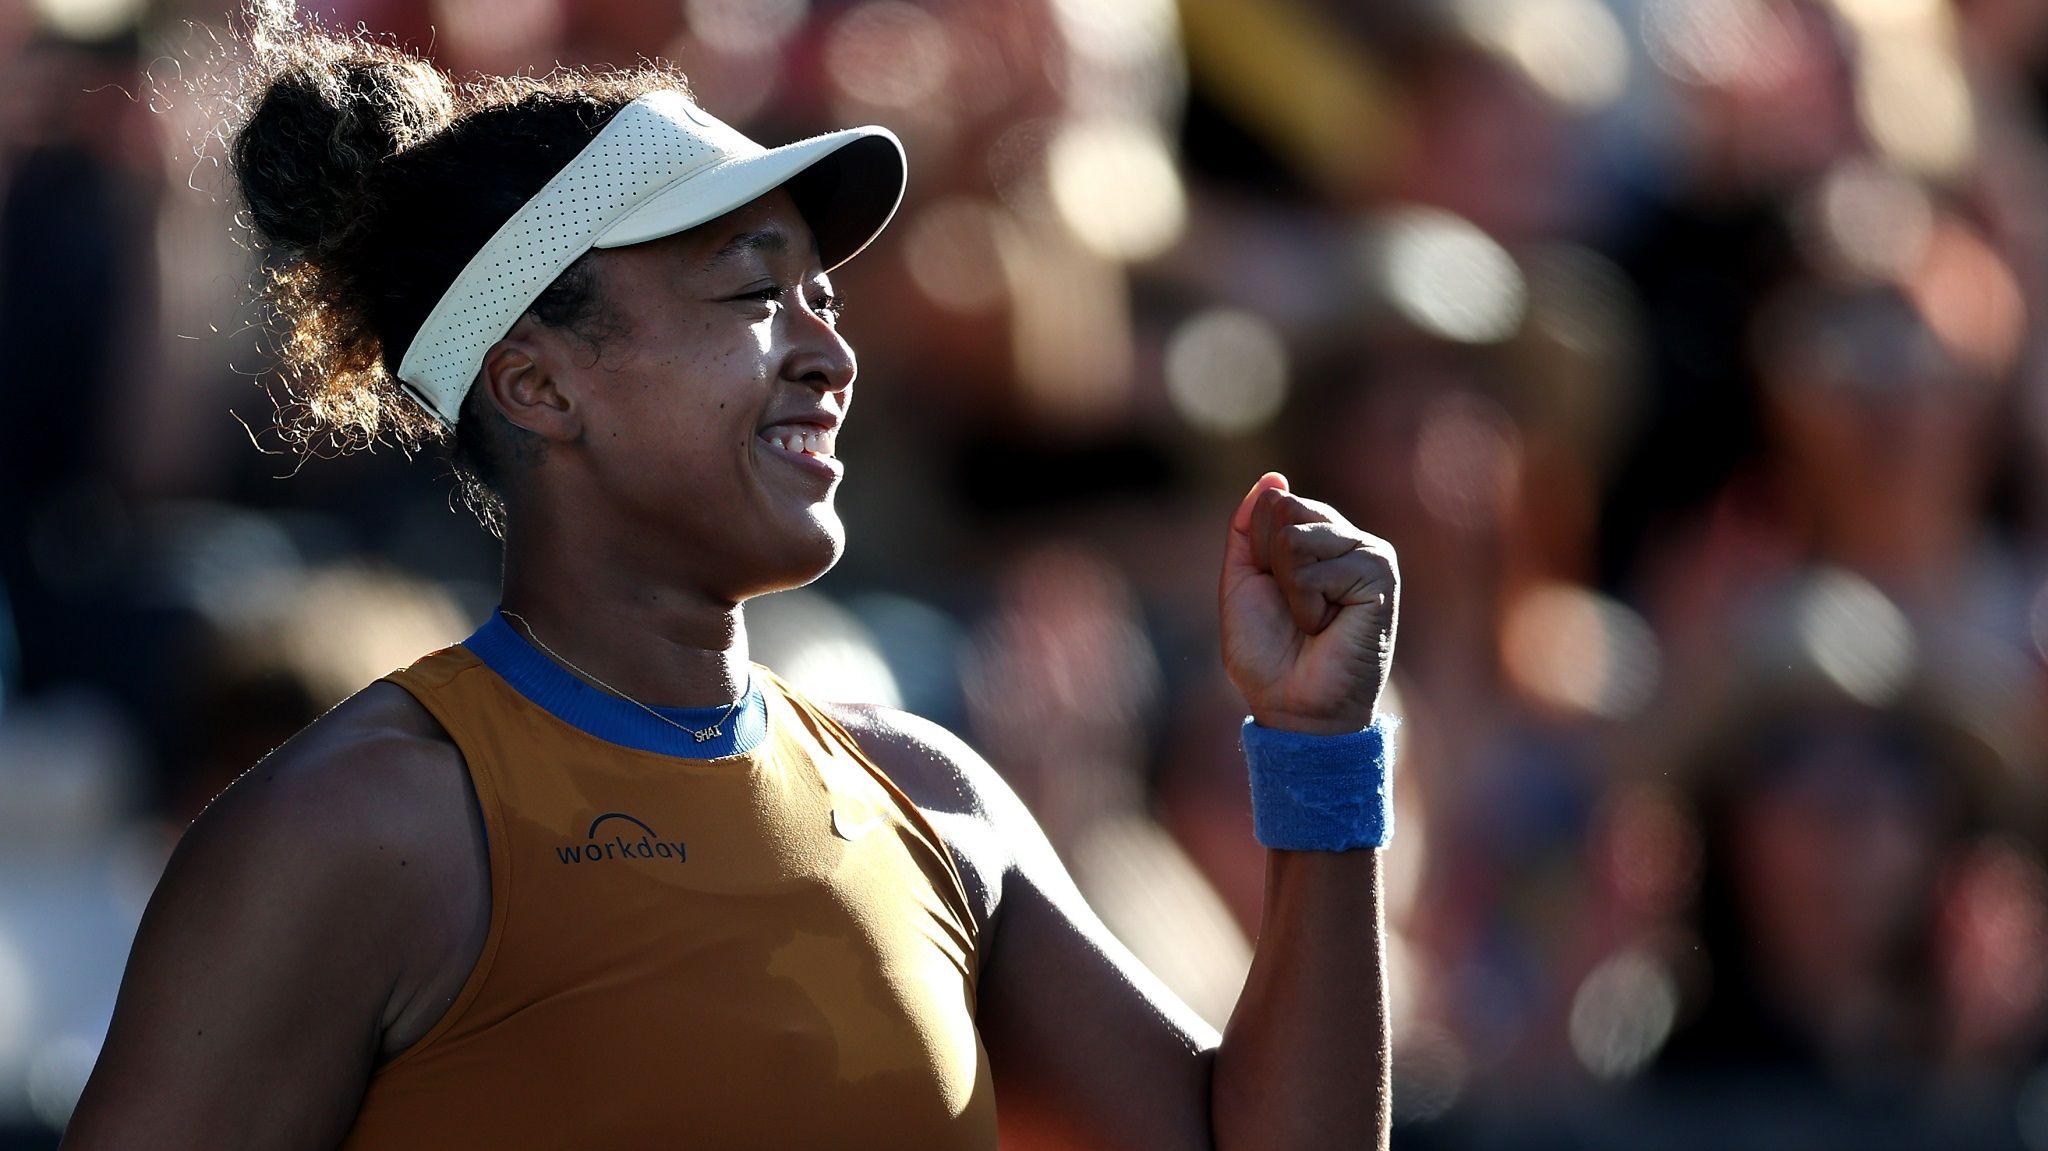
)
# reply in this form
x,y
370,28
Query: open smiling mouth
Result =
x,y
805,446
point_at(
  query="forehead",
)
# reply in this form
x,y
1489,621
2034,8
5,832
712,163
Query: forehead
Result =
x,y
767,230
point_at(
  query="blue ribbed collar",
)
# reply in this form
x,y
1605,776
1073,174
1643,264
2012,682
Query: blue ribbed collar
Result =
x,y
549,685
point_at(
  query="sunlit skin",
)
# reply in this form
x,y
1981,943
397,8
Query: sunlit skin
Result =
x,y
656,506
648,505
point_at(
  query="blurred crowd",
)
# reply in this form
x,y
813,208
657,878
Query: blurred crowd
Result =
x,y
1685,349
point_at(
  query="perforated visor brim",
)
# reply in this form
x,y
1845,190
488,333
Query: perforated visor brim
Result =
x,y
847,184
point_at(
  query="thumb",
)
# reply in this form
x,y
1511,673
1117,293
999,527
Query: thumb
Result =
x,y
1237,551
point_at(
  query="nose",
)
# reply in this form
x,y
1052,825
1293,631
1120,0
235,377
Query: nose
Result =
x,y
819,357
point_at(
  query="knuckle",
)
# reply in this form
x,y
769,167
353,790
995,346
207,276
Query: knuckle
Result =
x,y
1301,510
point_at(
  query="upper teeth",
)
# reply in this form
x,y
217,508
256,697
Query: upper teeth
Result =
x,y
813,441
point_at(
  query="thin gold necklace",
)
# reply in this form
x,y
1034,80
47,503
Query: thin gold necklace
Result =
x,y
700,735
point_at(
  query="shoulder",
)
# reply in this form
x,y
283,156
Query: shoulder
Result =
x,y
356,822
917,751
981,818
299,931
375,769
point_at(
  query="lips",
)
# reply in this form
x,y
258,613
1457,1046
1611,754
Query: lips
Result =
x,y
805,439
804,445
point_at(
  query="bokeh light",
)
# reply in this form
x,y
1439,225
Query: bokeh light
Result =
x,y
739,86
889,54
56,1077
1124,57
497,33
1575,649
1623,1014
745,27
1890,15
1999,926
1117,188
1916,104
821,647
87,19
1063,672
1573,50
1869,220
1970,300
1070,325
1468,461
341,627
1684,348
1856,636
1120,33
1445,276
951,249
1017,163
1430,1071
1718,43
17,1007
1226,371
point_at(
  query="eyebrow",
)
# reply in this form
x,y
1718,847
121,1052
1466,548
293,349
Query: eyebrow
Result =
x,y
759,240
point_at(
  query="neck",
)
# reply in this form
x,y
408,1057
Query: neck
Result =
x,y
657,640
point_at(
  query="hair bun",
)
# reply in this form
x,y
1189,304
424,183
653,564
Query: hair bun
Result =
x,y
369,178
331,113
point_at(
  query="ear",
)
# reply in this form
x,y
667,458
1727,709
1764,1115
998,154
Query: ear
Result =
x,y
521,376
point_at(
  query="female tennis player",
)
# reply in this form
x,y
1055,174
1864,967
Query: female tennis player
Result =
x,y
594,879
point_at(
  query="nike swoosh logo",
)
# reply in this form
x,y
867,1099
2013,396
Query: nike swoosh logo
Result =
x,y
847,830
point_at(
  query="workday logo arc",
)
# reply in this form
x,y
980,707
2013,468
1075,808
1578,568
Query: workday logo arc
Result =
x,y
609,840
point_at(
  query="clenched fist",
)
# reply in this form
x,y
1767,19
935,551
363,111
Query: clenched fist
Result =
x,y
1309,605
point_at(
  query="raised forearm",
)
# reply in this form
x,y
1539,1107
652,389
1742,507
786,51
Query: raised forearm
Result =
x,y
1306,1058
1309,605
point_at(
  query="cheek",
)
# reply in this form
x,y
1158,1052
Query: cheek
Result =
x,y
704,396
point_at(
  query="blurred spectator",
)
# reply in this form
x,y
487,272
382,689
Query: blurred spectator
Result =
x,y
1869,909
1687,350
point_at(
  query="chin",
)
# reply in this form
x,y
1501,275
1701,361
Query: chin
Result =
x,y
807,550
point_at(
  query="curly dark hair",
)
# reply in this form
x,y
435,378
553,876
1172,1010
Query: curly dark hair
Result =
x,y
370,177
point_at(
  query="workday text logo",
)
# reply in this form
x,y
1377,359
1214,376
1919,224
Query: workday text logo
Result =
x,y
620,842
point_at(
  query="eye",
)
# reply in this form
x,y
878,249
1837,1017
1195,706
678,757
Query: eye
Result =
x,y
829,306
765,295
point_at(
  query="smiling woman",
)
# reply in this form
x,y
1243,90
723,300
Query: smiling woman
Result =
x,y
440,212
442,915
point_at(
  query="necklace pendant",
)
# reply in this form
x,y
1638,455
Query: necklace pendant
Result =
x,y
708,734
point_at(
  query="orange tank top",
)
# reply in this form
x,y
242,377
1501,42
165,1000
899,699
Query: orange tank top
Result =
x,y
769,950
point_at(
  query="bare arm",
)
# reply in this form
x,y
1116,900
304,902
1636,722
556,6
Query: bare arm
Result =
x,y
286,932
1309,607
1072,1018
1304,1057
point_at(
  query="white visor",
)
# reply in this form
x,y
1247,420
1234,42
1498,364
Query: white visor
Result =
x,y
660,165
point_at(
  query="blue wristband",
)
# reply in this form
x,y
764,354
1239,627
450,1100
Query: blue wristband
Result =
x,y
1322,792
